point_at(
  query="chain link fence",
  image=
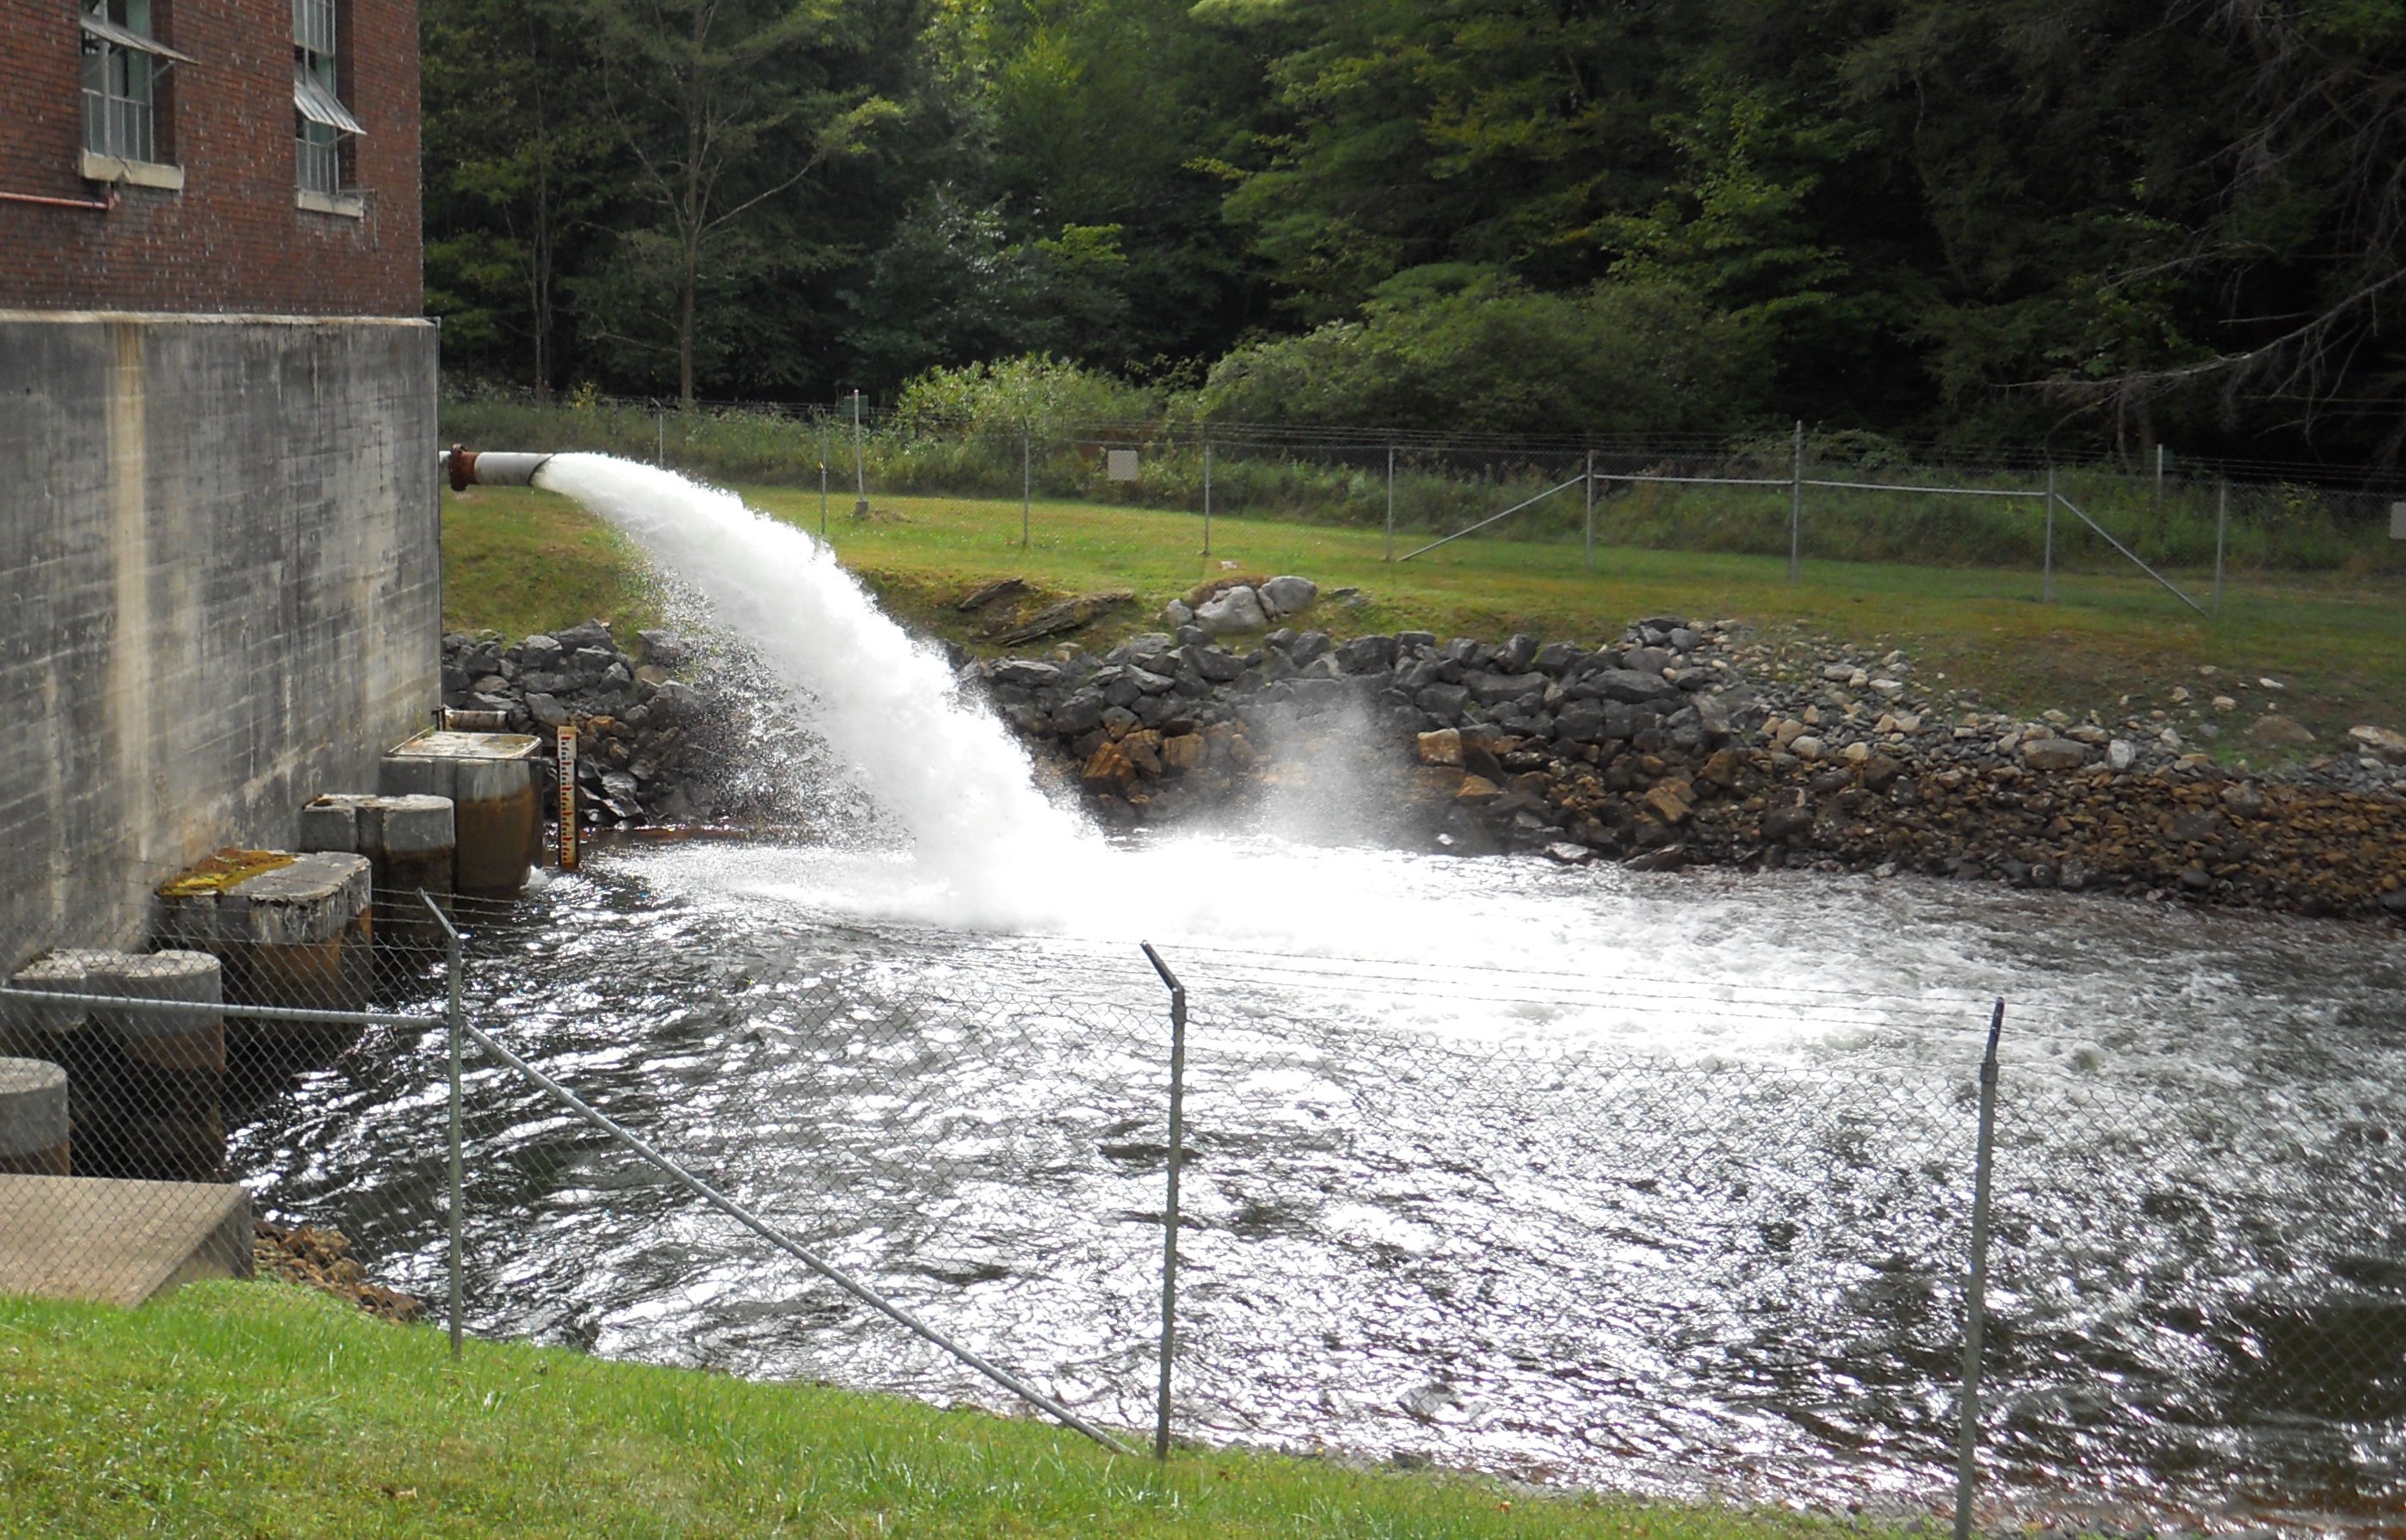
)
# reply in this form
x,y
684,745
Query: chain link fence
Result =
x,y
1715,1242
2046,526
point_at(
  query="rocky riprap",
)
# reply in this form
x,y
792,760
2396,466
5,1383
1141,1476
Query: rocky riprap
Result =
x,y
647,739
320,1259
1689,741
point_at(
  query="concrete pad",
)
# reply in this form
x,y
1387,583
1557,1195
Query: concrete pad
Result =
x,y
119,1242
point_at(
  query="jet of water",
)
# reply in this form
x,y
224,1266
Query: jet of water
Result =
x,y
983,834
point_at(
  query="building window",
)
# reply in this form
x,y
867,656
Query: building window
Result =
x,y
124,67
320,122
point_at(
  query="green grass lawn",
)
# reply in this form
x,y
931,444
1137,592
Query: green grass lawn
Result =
x,y
518,560
266,1411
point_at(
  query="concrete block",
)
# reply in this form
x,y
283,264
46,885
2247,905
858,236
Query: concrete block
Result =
x,y
33,1118
65,971
332,823
119,1242
410,826
312,899
162,1114
174,1039
415,775
289,929
497,819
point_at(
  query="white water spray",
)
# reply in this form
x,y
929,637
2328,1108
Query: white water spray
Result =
x,y
950,772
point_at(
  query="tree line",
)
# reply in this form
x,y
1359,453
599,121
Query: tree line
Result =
x,y
2101,224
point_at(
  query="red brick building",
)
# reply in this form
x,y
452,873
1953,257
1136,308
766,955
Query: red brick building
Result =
x,y
210,156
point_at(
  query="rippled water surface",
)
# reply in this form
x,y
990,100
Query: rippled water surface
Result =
x,y
1581,1175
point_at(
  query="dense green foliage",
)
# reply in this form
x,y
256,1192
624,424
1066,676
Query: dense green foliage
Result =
x,y
2094,223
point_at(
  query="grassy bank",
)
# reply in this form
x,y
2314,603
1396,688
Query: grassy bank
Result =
x,y
519,561
2271,527
266,1410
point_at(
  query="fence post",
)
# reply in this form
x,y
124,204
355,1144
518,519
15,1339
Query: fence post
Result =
x,y
2221,537
1975,1300
859,467
1590,510
2046,579
1169,1199
1390,503
660,428
1207,496
1026,480
453,1014
1796,504
824,449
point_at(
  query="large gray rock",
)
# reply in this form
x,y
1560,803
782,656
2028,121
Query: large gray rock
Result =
x,y
1625,685
1081,713
1489,689
1026,672
1581,722
662,649
1234,612
1367,654
2388,745
1444,702
1214,664
1557,657
2275,731
1286,596
2055,754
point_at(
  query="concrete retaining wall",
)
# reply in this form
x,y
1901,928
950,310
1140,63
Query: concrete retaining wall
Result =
x,y
220,592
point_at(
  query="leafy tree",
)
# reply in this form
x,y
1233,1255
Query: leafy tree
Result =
x,y
720,106
519,169
1474,350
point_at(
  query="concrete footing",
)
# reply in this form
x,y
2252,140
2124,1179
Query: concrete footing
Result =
x,y
290,930
143,1090
119,1242
411,848
33,1126
497,815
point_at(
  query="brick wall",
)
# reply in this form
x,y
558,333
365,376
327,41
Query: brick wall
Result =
x,y
231,241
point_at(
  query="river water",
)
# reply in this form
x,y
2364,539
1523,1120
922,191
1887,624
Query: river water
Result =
x,y
1580,1176
1575,1175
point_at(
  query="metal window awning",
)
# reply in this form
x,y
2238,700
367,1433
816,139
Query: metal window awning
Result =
x,y
126,38
317,104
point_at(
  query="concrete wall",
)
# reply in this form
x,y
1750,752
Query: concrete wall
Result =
x,y
220,592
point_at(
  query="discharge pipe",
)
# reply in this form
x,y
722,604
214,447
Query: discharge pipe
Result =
x,y
490,467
